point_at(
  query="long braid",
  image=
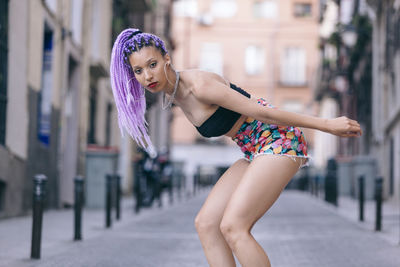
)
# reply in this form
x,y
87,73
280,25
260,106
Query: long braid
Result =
x,y
128,93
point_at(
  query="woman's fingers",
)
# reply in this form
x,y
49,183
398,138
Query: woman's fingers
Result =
x,y
352,133
345,127
355,123
355,129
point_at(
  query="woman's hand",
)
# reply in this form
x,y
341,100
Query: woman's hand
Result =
x,y
343,127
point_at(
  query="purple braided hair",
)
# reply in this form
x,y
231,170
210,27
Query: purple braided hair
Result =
x,y
128,93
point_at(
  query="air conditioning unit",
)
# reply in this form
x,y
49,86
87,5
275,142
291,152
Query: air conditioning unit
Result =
x,y
205,19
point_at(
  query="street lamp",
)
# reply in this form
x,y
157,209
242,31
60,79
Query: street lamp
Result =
x,y
349,35
341,83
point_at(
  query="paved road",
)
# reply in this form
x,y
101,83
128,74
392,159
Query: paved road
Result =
x,y
298,231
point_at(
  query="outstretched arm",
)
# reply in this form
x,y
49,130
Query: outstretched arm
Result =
x,y
215,92
341,126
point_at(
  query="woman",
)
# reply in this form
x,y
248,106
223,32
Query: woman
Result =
x,y
215,107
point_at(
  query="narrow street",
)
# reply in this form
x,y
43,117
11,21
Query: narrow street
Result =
x,y
298,231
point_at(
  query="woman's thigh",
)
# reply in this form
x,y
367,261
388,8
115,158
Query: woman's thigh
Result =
x,y
215,204
261,185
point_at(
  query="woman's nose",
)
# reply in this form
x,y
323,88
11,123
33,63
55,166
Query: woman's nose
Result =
x,y
148,75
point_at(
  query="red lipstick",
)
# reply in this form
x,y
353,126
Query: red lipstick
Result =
x,y
152,85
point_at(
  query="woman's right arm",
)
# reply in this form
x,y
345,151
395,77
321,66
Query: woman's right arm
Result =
x,y
214,92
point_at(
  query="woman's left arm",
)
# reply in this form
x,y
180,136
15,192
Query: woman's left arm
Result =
x,y
215,92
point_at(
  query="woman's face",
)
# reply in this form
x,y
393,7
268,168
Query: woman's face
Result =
x,y
148,66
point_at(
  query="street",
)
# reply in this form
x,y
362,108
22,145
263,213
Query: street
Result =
x,y
298,231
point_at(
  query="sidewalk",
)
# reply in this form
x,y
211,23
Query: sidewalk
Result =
x,y
349,208
297,231
58,230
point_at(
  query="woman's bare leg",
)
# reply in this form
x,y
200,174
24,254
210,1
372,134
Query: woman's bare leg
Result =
x,y
208,220
261,185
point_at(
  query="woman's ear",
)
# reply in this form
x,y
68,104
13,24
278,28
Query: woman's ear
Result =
x,y
167,59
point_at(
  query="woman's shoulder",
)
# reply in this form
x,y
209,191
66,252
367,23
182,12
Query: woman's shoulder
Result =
x,y
201,75
200,78
203,85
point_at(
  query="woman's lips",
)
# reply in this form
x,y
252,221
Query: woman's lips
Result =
x,y
152,85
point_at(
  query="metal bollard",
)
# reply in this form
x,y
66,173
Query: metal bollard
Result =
x,y
170,190
312,186
361,181
109,185
138,175
194,182
118,196
78,207
179,178
316,181
39,194
331,183
315,186
378,198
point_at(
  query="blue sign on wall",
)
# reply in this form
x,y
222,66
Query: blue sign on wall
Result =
x,y
44,114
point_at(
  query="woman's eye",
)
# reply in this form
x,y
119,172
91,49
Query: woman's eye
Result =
x,y
138,71
153,65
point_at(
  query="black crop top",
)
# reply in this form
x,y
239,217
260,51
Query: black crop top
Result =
x,y
222,120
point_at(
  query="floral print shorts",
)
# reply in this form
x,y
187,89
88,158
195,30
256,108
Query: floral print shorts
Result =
x,y
257,138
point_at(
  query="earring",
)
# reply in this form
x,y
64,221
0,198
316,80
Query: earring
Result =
x,y
165,72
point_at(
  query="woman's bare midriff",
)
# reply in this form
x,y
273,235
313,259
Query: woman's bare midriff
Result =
x,y
232,132
235,128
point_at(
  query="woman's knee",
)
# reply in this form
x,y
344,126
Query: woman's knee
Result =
x,y
233,230
205,224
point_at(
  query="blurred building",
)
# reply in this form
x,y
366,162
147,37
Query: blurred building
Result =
x,y
53,53
344,51
326,145
358,77
385,135
56,106
268,48
344,89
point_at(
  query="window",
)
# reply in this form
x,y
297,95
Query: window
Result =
x,y
224,8
302,10
347,11
108,124
76,20
293,67
265,9
44,119
211,58
92,115
392,166
52,5
185,8
96,30
254,60
3,68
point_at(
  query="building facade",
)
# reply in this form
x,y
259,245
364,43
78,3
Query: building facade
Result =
x,y
269,48
56,103
359,74
55,52
385,142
